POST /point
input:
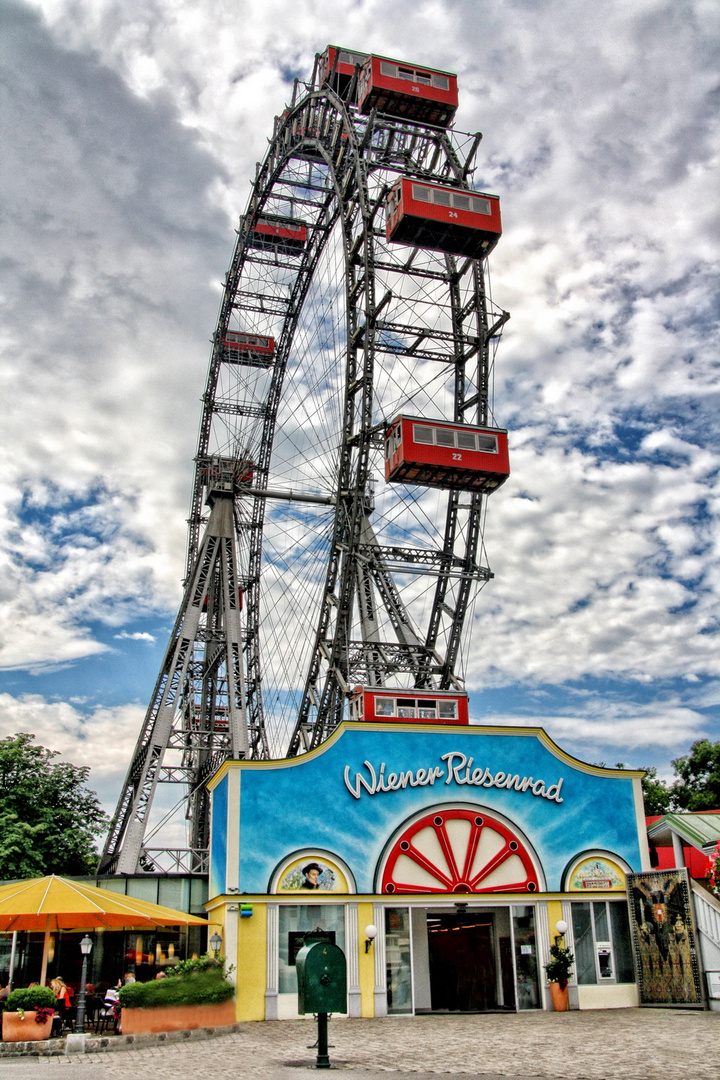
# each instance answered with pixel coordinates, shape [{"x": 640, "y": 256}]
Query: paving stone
[{"x": 618, "y": 1044}]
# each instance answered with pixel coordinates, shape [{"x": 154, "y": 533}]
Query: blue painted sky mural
[
  {"x": 129, "y": 145},
  {"x": 562, "y": 813}
]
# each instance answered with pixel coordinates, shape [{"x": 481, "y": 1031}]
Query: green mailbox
[{"x": 322, "y": 978}]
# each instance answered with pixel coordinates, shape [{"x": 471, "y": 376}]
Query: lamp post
[
  {"x": 215, "y": 943},
  {"x": 370, "y": 935},
  {"x": 562, "y": 927},
  {"x": 85, "y": 948}
]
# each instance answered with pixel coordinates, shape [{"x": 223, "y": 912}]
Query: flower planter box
[
  {"x": 16, "y": 1030},
  {"x": 559, "y": 997},
  {"x": 177, "y": 1018}
]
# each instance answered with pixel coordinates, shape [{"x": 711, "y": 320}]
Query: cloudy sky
[{"x": 130, "y": 133}]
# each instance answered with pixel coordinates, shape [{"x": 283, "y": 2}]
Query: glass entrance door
[
  {"x": 461, "y": 952},
  {"x": 525, "y": 955}
]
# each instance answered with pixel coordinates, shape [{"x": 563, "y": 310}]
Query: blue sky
[{"x": 130, "y": 136}]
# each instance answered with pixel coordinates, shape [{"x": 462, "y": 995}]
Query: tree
[
  {"x": 49, "y": 820},
  {"x": 698, "y": 783},
  {"x": 656, "y": 794}
]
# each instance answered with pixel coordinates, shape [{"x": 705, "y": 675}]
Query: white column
[
  {"x": 231, "y": 939},
  {"x": 543, "y": 934},
  {"x": 573, "y": 996},
  {"x": 232, "y": 871},
  {"x": 271, "y": 963},
  {"x": 352, "y": 939},
  {"x": 678, "y": 852},
  {"x": 380, "y": 994}
]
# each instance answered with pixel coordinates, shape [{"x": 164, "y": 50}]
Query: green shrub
[
  {"x": 558, "y": 970},
  {"x": 34, "y": 997},
  {"x": 198, "y": 988},
  {"x": 196, "y": 964}
]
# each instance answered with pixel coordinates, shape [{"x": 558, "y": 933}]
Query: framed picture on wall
[{"x": 664, "y": 939}]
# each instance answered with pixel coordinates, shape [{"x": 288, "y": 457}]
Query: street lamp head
[
  {"x": 86, "y": 945},
  {"x": 561, "y": 926},
  {"x": 215, "y": 943}
]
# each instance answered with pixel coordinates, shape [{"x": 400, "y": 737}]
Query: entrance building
[{"x": 438, "y": 857}]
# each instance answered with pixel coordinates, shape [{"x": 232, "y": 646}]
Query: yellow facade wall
[
  {"x": 366, "y": 963},
  {"x": 554, "y": 911},
  {"x": 251, "y": 964}
]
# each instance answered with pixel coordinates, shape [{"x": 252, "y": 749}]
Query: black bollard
[{"x": 323, "y": 1060}]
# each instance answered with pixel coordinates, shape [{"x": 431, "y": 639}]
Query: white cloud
[
  {"x": 103, "y": 739},
  {"x": 130, "y": 140}
]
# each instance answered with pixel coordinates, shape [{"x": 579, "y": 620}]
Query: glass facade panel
[
  {"x": 144, "y": 888},
  {"x": 526, "y": 967},
  {"x": 584, "y": 945},
  {"x": 397, "y": 953},
  {"x": 602, "y": 929},
  {"x": 620, "y": 926},
  {"x": 603, "y": 950},
  {"x": 174, "y": 893},
  {"x": 294, "y": 918}
]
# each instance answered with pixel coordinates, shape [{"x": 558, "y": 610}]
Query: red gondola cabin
[
  {"x": 409, "y": 706},
  {"x": 251, "y": 349},
  {"x": 443, "y": 219},
  {"x": 337, "y": 67},
  {"x": 284, "y": 235},
  {"x": 420, "y": 94},
  {"x": 440, "y": 454},
  {"x": 221, "y": 472}
]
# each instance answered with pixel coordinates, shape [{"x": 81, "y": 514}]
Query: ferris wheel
[{"x": 346, "y": 447}]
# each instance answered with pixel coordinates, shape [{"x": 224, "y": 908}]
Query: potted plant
[
  {"x": 195, "y": 993},
  {"x": 28, "y": 1014},
  {"x": 558, "y": 973}
]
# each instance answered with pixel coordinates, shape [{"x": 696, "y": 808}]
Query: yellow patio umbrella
[{"x": 56, "y": 903}]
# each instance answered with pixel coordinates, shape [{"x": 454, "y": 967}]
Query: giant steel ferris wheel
[{"x": 356, "y": 307}]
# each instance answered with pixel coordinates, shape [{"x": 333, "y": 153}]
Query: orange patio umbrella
[{"x": 56, "y": 903}]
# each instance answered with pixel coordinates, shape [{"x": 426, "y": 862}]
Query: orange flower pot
[
  {"x": 559, "y": 997},
  {"x": 177, "y": 1018},
  {"x": 16, "y": 1030}
]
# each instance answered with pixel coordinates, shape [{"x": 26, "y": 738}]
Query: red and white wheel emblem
[{"x": 458, "y": 851}]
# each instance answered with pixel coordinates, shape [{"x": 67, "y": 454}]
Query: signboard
[
  {"x": 596, "y": 872},
  {"x": 664, "y": 944}
]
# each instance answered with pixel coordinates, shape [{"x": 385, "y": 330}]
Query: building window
[
  {"x": 294, "y": 918},
  {"x": 601, "y": 933}
]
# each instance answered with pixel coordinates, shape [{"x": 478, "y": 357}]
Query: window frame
[
  {"x": 476, "y": 435},
  {"x": 428, "y": 196},
  {"x": 605, "y": 946}
]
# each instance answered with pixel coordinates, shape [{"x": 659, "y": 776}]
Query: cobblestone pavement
[{"x": 627, "y": 1044}]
